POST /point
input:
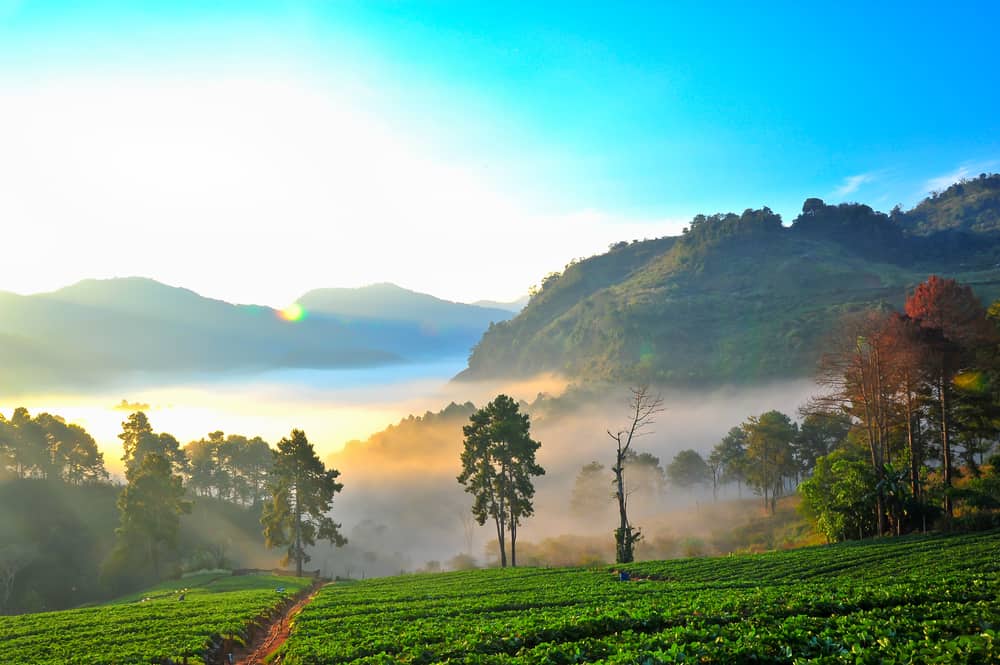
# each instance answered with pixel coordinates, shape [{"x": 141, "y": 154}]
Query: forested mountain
[
  {"x": 970, "y": 205},
  {"x": 739, "y": 298},
  {"x": 99, "y": 329}
]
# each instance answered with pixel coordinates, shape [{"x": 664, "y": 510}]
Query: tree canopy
[
  {"x": 498, "y": 463},
  {"x": 302, "y": 491}
]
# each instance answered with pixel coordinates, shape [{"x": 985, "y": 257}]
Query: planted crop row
[
  {"x": 921, "y": 599},
  {"x": 158, "y": 630}
]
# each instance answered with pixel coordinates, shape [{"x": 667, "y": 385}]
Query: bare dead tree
[{"x": 643, "y": 408}]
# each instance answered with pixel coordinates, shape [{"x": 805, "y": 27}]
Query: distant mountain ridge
[
  {"x": 97, "y": 330},
  {"x": 740, "y": 297},
  {"x": 389, "y": 302}
]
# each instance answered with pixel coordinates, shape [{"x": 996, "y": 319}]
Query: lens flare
[{"x": 293, "y": 312}]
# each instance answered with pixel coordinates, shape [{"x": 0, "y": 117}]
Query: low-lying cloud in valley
[{"x": 403, "y": 506}]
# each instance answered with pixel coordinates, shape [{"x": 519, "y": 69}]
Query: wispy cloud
[
  {"x": 943, "y": 182},
  {"x": 852, "y": 183}
]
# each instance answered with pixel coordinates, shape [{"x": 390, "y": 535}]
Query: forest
[
  {"x": 70, "y": 534},
  {"x": 901, "y": 436}
]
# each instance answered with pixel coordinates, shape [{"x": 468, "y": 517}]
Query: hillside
[
  {"x": 736, "y": 298},
  {"x": 64, "y": 534},
  {"x": 970, "y": 205},
  {"x": 99, "y": 330}
]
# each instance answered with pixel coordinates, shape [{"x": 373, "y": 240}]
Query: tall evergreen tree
[
  {"x": 498, "y": 462},
  {"x": 150, "y": 506},
  {"x": 302, "y": 491},
  {"x": 139, "y": 440}
]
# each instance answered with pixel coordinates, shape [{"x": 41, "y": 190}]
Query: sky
[{"x": 253, "y": 151}]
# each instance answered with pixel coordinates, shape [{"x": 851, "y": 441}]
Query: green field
[
  {"x": 146, "y": 631},
  {"x": 907, "y": 600}
]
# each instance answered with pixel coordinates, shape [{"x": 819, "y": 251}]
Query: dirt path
[{"x": 277, "y": 632}]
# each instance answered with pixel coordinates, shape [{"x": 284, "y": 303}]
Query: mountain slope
[
  {"x": 969, "y": 205},
  {"x": 737, "y": 298}
]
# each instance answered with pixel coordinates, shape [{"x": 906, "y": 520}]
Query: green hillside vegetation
[
  {"x": 68, "y": 531},
  {"x": 160, "y": 627},
  {"x": 969, "y": 205},
  {"x": 736, "y": 298},
  {"x": 912, "y": 599}
]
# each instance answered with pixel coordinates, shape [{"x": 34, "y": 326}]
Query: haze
[{"x": 253, "y": 151}]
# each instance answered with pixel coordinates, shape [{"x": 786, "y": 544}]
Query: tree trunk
[
  {"x": 945, "y": 446},
  {"x": 911, "y": 444},
  {"x": 298, "y": 533},
  {"x": 513, "y": 543},
  {"x": 624, "y": 538}
]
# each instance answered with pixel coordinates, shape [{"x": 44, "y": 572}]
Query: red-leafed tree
[{"x": 955, "y": 322}]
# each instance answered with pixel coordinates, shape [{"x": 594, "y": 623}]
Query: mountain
[
  {"x": 97, "y": 330},
  {"x": 514, "y": 306},
  {"x": 738, "y": 298},
  {"x": 394, "y": 304}
]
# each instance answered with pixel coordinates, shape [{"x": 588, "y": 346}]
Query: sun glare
[{"x": 293, "y": 312}]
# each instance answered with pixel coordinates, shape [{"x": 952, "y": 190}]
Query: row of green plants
[
  {"x": 916, "y": 599},
  {"x": 170, "y": 623}
]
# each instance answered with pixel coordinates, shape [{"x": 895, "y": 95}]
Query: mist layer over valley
[{"x": 403, "y": 509}]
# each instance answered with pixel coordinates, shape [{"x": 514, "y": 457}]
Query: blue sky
[{"x": 594, "y": 121}]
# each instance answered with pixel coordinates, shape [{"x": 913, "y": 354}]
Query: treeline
[
  {"x": 47, "y": 447},
  {"x": 68, "y": 534},
  {"x": 921, "y": 387},
  {"x": 233, "y": 468},
  {"x": 903, "y": 435},
  {"x": 769, "y": 454}
]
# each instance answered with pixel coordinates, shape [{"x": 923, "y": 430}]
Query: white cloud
[
  {"x": 852, "y": 183},
  {"x": 943, "y": 182},
  {"x": 256, "y": 190}
]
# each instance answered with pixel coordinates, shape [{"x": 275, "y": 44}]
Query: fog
[{"x": 402, "y": 507}]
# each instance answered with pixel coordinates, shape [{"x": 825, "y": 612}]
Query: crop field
[
  {"x": 156, "y": 630},
  {"x": 922, "y": 599}
]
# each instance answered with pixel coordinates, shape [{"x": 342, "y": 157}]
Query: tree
[
  {"x": 201, "y": 473},
  {"x": 643, "y": 407},
  {"x": 31, "y": 446},
  {"x": 229, "y": 467},
  {"x": 150, "y": 507},
  {"x": 646, "y": 476},
  {"x": 731, "y": 454},
  {"x": 958, "y": 320},
  {"x": 591, "y": 491},
  {"x": 818, "y": 435},
  {"x": 498, "y": 462},
  {"x": 688, "y": 469},
  {"x": 862, "y": 379},
  {"x": 769, "y": 454},
  {"x": 139, "y": 440},
  {"x": 74, "y": 455},
  {"x": 255, "y": 460},
  {"x": 302, "y": 491},
  {"x": 838, "y": 497}
]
